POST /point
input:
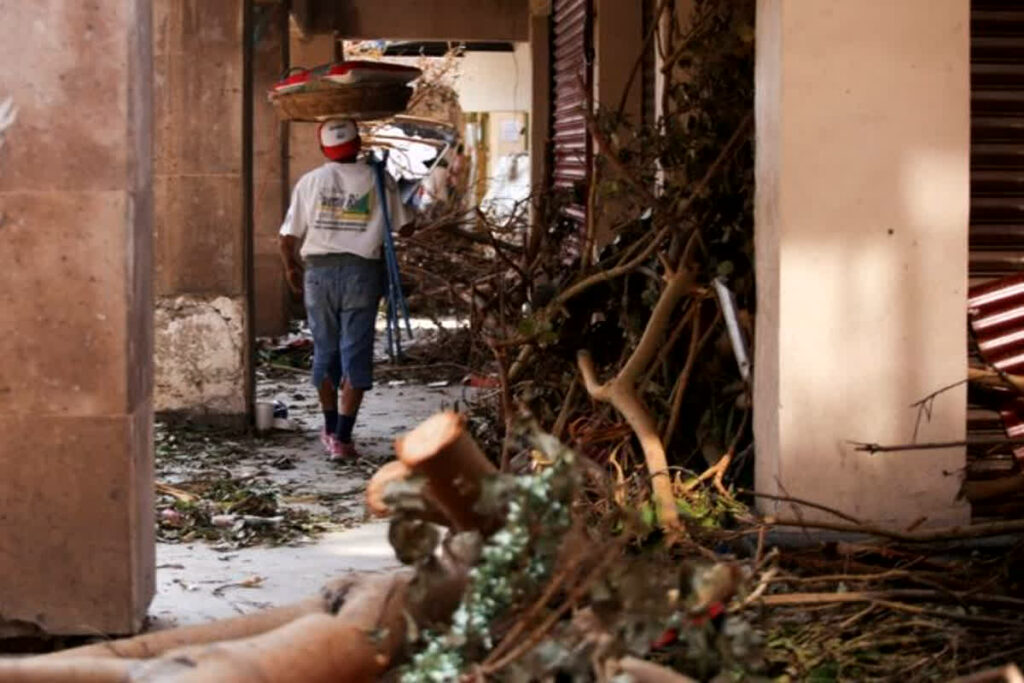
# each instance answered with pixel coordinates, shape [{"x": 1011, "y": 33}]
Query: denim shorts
[{"x": 342, "y": 294}]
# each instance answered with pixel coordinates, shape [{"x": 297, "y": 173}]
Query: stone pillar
[
  {"x": 202, "y": 352},
  {"x": 271, "y": 312},
  {"x": 76, "y": 490},
  {"x": 863, "y": 130},
  {"x": 540, "y": 100},
  {"x": 303, "y": 150},
  {"x": 618, "y": 43}
]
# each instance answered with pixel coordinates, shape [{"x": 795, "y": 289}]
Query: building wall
[
  {"x": 417, "y": 19},
  {"x": 76, "y": 457},
  {"x": 201, "y": 363},
  {"x": 861, "y": 245},
  {"x": 618, "y": 44},
  {"x": 271, "y": 300},
  {"x": 303, "y": 149},
  {"x": 496, "y": 81}
]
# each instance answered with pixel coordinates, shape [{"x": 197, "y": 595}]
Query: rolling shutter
[
  {"x": 997, "y": 204},
  {"x": 571, "y": 88}
]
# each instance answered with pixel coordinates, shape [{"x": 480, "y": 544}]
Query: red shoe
[
  {"x": 344, "y": 451},
  {"x": 329, "y": 442}
]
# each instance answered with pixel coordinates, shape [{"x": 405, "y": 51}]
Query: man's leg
[
  {"x": 325, "y": 328},
  {"x": 357, "y": 364},
  {"x": 351, "y": 399}
]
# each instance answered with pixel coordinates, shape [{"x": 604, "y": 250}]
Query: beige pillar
[
  {"x": 861, "y": 239},
  {"x": 303, "y": 149},
  {"x": 201, "y": 308},
  {"x": 496, "y": 20},
  {"x": 618, "y": 43},
  {"x": 269, "y": 134},
  {"x": 540, "y": 100},
  {"x": 76, "y": 480}
]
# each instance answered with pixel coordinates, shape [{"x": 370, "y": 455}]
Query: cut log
[
  {"x": 443, "y": 451},
  {"x": 377, "y": 491},
  {"x": 357, "y": 643},
  {"x": 389, "y": 473},
  {"x": 642, "y": 671},
  {"x": 157, "y": 643},
  {"x": 154, "y": 644},
  {"x": 73, "y": 670}
]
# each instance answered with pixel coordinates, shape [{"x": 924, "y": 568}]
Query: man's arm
[
  {"x": 289, "y": 245},
  {"x": 402, "y": 220},
  {"x": 293, "y": 229}
]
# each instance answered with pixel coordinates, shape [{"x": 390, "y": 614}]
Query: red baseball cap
[{"x": 339, "y": 139}]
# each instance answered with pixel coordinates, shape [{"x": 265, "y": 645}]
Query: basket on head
[{"x": 362, "y": 101}]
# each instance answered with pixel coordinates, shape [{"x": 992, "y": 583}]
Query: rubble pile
[{"x": 564, "y": 573}]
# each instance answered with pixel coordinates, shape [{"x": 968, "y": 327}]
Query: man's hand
[{"x": 294, "y": 276}]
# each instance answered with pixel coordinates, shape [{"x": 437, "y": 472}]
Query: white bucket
[{"x": 264, "y": 416}]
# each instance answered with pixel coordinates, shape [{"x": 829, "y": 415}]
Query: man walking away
[{"x": 336, "y": 224}]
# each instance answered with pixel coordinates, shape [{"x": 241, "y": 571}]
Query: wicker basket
[{"x": 361, "y": 102}]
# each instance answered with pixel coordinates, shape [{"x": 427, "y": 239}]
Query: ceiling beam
[{"x": 481, "y": 20}]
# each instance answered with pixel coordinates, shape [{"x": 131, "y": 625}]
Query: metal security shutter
[
  {"x": 571, "y": 87},
  {"x": 997, "y": 138},
  {"x": 997, "y": 200}
]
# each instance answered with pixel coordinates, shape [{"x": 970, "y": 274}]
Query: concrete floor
[{"x": 197, "y": 582}]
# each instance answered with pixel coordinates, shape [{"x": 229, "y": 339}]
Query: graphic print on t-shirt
[{"x": 343, "y": 211}]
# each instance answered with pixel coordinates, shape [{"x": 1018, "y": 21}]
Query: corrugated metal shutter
[
  {"x": 997, "y": 191},
  {"x": 571, "y": 87},
  {"x": 997, "y": 138}
]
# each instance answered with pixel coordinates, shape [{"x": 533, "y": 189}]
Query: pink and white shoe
[
  {"x": 344, "y": 451},
  {"x": 329, "y": 442}
]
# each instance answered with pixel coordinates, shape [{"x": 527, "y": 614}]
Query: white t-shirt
[{"x": 336, "y": 209}]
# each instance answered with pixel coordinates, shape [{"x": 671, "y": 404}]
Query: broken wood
[
  {"x": 155, "y": 644},
  {"x": 442, "y": 450},
  {"x": 357, "y": 644},
  {"x": 993, "y": 488},
  {"x": 85, "y": 670},
  {"x": 956, "y": 533},
  {"x": 642, "y": 671},
  {"x": 396, "y": 472},
  {"x": 388, "y": 473},
  {"x": 990, "y": 377},
  {"x": 621, "y": 392},
  {"x": 352, "y": 632}
]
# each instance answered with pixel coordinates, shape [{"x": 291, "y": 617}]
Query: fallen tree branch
[
  {"x": 886, "y": 599},
  {"x": 800, "y": 501},
  {"x": 622, "y": 394},
  {"x": 866, "y": 447},
  {"x": 983, "y": 530},
  {"x": 642, "y": 671}
]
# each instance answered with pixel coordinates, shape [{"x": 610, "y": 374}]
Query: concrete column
[
  {"x": 540, "y": 98},
  {"x": 271, "y": 297},
  {"x": 863, "y": 129},
  {"x": 201, "y": 310},
  {"x": 618, "y": 43},
  {"x": 76, "y": 508},
  {"x": 303, "y": 150}
]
